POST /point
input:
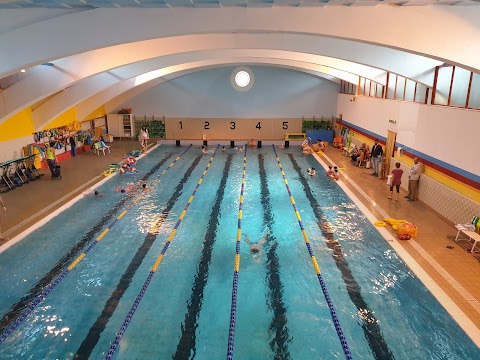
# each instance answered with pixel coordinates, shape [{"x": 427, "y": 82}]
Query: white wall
[
  {"x": 447, "y": 134},
  {"x": 276, "y": 93}
]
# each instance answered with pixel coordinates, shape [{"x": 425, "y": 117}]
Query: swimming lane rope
[
  {"x": 39, "y": 299},
  {"x": 236, "y": 269},
  {"x": 333, "y": 314},
  {"x": 155, "y": 266}
]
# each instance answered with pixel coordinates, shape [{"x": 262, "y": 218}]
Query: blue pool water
[{"x": 383, "y": 309}]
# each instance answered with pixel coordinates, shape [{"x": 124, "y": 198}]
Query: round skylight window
[{"x": 242, "y": 78}]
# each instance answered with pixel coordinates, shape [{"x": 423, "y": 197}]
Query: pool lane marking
[
  {"x": 52, "y": 214},
  {"x": 91, "y": 339},
  {"x": 278, "y": 324},
  {"x": 370, "y": 324},
  {"x": 40, "y": 298},
  {"x": 453, "y": 309},
  {"x": 333, "y": 314},
  {"x": 38, "y": 288},
  {"x": 157, "y": 263},
  {"x": 187, "y": 342},
  {"x": 236, "y": 268}
]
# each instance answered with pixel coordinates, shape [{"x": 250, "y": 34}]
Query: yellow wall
[
  {"x": 98, "y": 113},
  {"x": 446, "y": 180},
  {"x": 442, "y": 178},
  {"x": 19, "y": 125},
  {"x": 66, "y": 118}
]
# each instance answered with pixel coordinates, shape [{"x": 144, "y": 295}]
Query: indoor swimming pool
[{"x": 149, "y": 274}]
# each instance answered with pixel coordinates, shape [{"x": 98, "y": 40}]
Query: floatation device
[
  {"x": 135, "y": 153},
  {"x": 338, "y": 142},
  {"x": 112, "y": 168},
  {"x": 476, "y": 224},
  {"x": 380, "y": 223},
  {"x": 392, "y": 221},
  {"x": 396, "y": 224},
  {"x": 407, "y": 228},
  {"x": 130, "y": 173}
]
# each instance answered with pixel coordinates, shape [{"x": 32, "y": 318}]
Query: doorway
[{"x": 390, "y": 148}]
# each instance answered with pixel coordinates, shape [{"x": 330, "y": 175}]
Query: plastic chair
[
  {"x": 98, "y": 148},
  {"x": 104, "y": 147}
]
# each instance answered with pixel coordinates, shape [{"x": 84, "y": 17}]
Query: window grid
[{"x": 369, "y": 88}]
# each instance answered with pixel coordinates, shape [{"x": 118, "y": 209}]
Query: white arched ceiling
[
  {"x": 47, "y": 80},
  {"x": 133, "y": 86},
  {"x": 81, "y": 90},
  {"x": 419, "y": 30}
]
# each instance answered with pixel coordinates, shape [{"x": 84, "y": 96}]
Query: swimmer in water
[{"x": 256, "y": 248}]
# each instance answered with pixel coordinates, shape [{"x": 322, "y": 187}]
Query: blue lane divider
[
  {"x": 39, "y": 299},
  {"x": 233, "y": 309},
  {"x": 333, "y": 313},
  {"x": 154, "y": 269}
]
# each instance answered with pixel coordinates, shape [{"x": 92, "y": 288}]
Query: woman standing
[
  {"x": 397, "y": 180},
  {"x": 144, "y": 138}
]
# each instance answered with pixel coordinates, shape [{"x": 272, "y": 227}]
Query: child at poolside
[
  {"x": 330, "y": 171},
  {"x": 335, "y": 175},
  {"x": 383, "y": 170},
  {"x": 396, "y": 181}
]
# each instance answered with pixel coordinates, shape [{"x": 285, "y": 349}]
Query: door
[{"x": 390, "y": 148}]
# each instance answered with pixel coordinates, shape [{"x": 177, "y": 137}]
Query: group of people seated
[
  {"x": 319, "y": 146},
  {"x": 360, "y": 156}
]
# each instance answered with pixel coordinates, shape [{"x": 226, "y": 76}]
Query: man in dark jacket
[
  {"x": 377, "y": 152},
  {"x": 73, "y": 145}
]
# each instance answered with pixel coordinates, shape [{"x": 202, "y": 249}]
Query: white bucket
[{"x": 389, "y": 179}]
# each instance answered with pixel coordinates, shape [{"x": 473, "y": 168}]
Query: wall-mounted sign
[{"x": 392, "y": 121}]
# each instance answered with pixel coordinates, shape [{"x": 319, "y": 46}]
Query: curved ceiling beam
[
  {"x": 377, "y": 25},
  {"x": 46, "y": 80},
  {"x": 52, "y": 79},
  {"x": 102, "y": 82}
]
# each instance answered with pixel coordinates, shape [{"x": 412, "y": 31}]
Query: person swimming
[{"x": 255, "y": 248}]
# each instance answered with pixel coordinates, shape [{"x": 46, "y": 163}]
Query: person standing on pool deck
[
  {"x": 3, "y": 210},
  {"x": 396, "y": 181},
  {"x": 413, "y": 180},
  {"x": 73, "y": 145},
  {"x": 51, "y": 158},
  {"x": 144, "y": 138}
]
